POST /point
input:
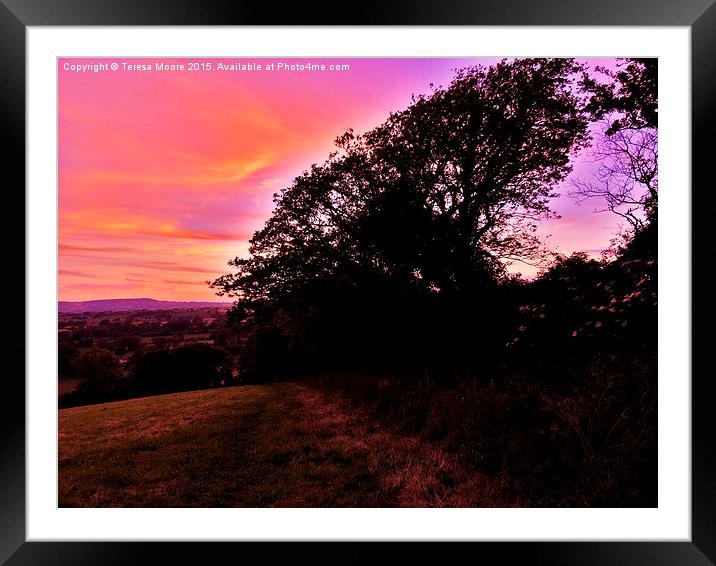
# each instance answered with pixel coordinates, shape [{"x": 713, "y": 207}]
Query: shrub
[
  {"x": 100, "y": 371},
  {"x": 588, "y": 441},
  {"x": 194, "y": 366}
]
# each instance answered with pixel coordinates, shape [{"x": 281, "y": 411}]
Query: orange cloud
[
  {"x": 167, "y": 174},
  {"x": 69, "y": 272}
]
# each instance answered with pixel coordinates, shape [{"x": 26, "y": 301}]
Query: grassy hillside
[{"x": 281, "y": 445}]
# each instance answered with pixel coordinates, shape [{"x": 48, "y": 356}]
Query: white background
[{"x": 670, "y": 521}]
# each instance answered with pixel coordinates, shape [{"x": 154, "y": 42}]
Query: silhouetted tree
[
  {"x": 625, "y": 142},
  {"x": 200, "y": 365},
  {"x": 433, "y": 199},
  {"x": 630, "y": 98},
  {"x": 100, "y": 371},
  {"x": 193, "y": 366},
  {"x": 152, "y": 372},
  {"x": 128, "y": 344},
  {"x": 65, "y": 356}
]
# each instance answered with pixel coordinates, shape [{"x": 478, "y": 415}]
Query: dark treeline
[
  {"x": 392, "y": 253},
  {"x": 152, "y": 372},
  {"x": 384, "y": 271},
  {"x": 112, "y": 356}
]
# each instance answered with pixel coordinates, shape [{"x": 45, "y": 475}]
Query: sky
[{"x": 164, "y": 175}]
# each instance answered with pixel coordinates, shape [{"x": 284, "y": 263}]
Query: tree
[
  {"x": 153, "y": 372},
  {"x": 630, "y": 97},
  {"x": 193, "y": 366},
  {"x": 625, "y": 142},
  {"x": 392, "y": 251},
  {"x": 436, "y": 198},
  {"x": 65, "y": 355},
  {"x": 200, "y": 365},
  {"x": 126, "y": 344},
  {"x": 100, "y": 371}
]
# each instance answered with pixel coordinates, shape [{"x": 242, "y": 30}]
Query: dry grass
[
  {"x": 589, "y": 441},
  {"x": 278, "y": 445}
]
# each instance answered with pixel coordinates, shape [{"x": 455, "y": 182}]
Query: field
[
  {"x": 125, "y": 336},
  {"x": 146, "y": 328},
  {"x": 282, "y": 445}
]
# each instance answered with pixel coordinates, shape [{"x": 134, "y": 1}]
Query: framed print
[{"x": 397, "y": 274}]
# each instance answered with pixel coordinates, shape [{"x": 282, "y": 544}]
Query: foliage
[
  {"x": 194, "y": 366},
  {"x": 581, "y": 306},
  {"x": 625, "y": 142},
  {"x": 631, "y": 97},
  {"x": 127, "y": 344},
  {"x": 383, "y": 269},
  {"x": 591, "y": 442},
  {"x": 415, "y": 216},
  {"x": 100, "y": 372},
  {"x": 139, "y": 353}
]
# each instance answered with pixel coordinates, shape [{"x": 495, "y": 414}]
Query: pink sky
[{"x": 165, "y": 175}]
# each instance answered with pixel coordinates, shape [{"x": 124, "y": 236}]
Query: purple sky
[{"x": 165, "y": 175}]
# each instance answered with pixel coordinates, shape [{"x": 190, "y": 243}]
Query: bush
[
  {"x": 102, "y": 379},
  {"x": 128, "y": 344},
  {"x": 100, "y": 371},
  {"x": 194, "y": 366},
  {"x": 589, "y": 441}
]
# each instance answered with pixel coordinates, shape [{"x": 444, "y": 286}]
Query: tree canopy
[
  {"x": 631, "y": 96},
  {"x": 626, "y": 146},
  {"x": 435, "y": 198}
]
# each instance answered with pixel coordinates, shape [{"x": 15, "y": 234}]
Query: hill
[
  {"x": 274, "y": 445},
  {"x": 119, "y": 305}
]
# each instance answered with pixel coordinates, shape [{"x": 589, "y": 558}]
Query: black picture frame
[{"x": 17, "y": 15}]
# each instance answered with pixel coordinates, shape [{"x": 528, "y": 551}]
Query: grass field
[{"x": 277, "y": 445}]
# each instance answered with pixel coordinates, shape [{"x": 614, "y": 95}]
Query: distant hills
[{"x": 102, "y": 305}]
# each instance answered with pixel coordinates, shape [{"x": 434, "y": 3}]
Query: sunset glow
[{"x": 164, "y": 176}]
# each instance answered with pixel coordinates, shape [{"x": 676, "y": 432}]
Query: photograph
[{"x": 409, "y": 282}]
